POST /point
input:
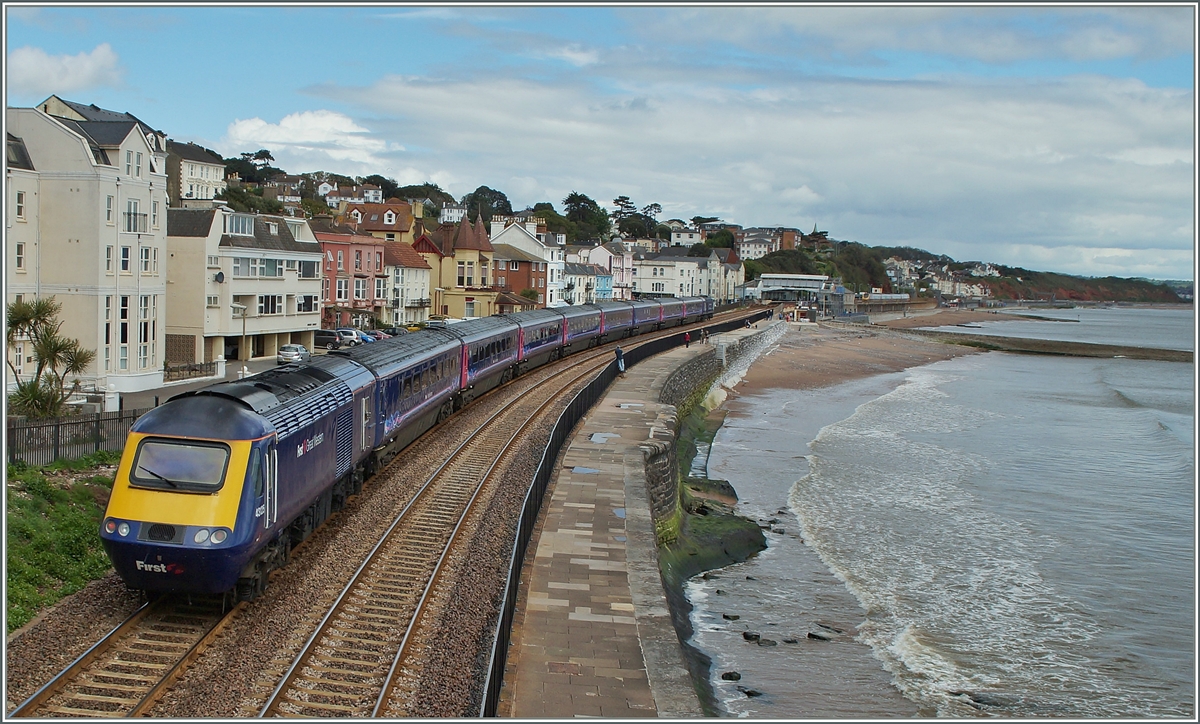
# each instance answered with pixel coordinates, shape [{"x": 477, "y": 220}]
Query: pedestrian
[
  {"x": 687, "y": 340},
  {"x": 620, "y": 360}
]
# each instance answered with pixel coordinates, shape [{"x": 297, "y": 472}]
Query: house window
[
  {"x": 341, "y": 265},
  {"x": 129, "y": 163},
  {"x": 108, "y": 210},
  {"x": 462, "y": 273},
  {"x": 154, "y": 214},
  {"x": 343, "y": 289},
  {"x": 126, "y": 253},
  {"x": 501, "y": 281},
  {"x": 212, "y": 300},
  {"x": 379, "y": 260},
  {"x": 214, "y": 261},
  {"x": 307, "y": 303},
  {"x": 144, "y": 253},
  {"x": 501, "y": 264},
  {"x": 325, "y": 289},
  {"x": 380, "y": 288},
  {"x": 20, "y": 204},
  {"x": 242, "y": 268},
  {"x": 469, "y": 309},
  {"x": 270, "y": 304},
  {"x": 108, "y": 259},
  {"x": 239, "y": 225},
  {"x": 134, "y": 222},
  {"x": 357, "y": 260},
  {"x": 290, "y": 265},
  {"x": 20, "y": 255},
  {"x": 515, "y": 266},
  {"x": 137, "y": 167},
  {"x": 360, "y": 288},
  {"x": 273, "y": 228},
  {"x": 389, "y": 237},
  {"x": 389, "y": 218},
  {"x": 270, "y": 268},
  {"x": 308, "y": 270}
]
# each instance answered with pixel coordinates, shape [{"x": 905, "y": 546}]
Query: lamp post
[{"x": 241, "y": 309}]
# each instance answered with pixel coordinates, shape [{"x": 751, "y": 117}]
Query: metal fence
[
  {"x": 577, "y": 408},
  {"x": 41, "y": 442},
  {"x": 189, "y": 370}
]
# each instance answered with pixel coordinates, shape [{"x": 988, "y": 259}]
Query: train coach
[{"x": 217, "y": 485}]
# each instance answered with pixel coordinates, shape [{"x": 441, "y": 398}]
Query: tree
[
  {"x": 55, "y": 358},
  {"x": 262, "y": 158},
  {"x": 722, "y": 239},
  {"x": 427, "y": 190},
  {"x": 530, "y": 294},
  {"x": 591, "y": 222},
  {"x": 486, "y": 202},
  {"x": 249, "y": 201},
  {"x": 698, "y": 220},
  {"x": 631, "y": 222},
  {"x": 386, "y": 185},
  {"x": 555, "y": 222}
]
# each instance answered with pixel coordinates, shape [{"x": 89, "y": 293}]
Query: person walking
[
  {"x": 687, "y": 340},
  {"x": 620, "y": 360}
]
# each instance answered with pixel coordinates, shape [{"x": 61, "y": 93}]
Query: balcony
[
  {"x": 135, "y": 223},
  {"x": 417, "y": 303}
]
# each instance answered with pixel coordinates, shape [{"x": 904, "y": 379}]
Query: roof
[
  {"x": 96, "y": 119},
  {"x": 508, "y": 252},
  {"x": 264, "y": 239},
  {"x": 515, "y": 300},
  {"x": 18, "y": 155},
  {"x": 192, "y": 152},
  {"x": 373, "y": 216},
  {"x": 727, "y": 256},
  {"x": 463, "y": 235},
  {"x": 189, "y": 222},
  {"x": 579, "y": 269},
  {"x": 398, "y": 253}
]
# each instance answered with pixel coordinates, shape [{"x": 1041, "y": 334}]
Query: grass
[{"x": 53, "y": 543}]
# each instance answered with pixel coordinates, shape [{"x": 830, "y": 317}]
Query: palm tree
[{"x": 55, "y": 357}]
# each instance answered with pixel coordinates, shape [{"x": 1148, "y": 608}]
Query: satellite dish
[{"x": 220, "y": 277}]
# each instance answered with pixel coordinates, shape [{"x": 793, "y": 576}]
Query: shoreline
[{"x": 846, "y": 673}]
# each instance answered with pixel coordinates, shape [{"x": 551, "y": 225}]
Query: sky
[{"x": 1051, "y": 138}]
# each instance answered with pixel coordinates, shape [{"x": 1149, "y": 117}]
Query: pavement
[{"x": 592, "y": 635}]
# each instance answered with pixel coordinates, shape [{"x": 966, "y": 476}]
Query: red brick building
[{"x": 354, "y": 289}]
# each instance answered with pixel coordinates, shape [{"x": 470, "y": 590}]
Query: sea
[{"x": 993, "y": 535}]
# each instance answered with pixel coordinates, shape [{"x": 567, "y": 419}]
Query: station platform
[{"x": 592, "y": 635}]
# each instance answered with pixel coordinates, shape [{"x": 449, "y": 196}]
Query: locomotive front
[{"x": 190, "y": 496}]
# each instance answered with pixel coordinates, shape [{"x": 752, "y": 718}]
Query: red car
[{"x": 378, "y": 334}]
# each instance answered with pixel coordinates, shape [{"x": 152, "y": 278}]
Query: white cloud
[
  {"x": 32, "y": 71},
  {"x": 321, "y": 139},
  {"x": 575, "y": 55}
]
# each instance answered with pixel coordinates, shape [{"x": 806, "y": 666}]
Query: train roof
[
  {"x": 388, "y": 355},
  {"x": 203, "y": 416},
  {"x": 481, "y": 328},
  {"x": 534, "y": 316}
]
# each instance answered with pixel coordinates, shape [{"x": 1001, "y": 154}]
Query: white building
[
  {"x": 409, "y": 300},
  {"x": 524, "y": 235},
  {"x": 232, "y": 274},
  {"x": 193, "y": 173},
  {"x": 92, "y": 234},
  {"x": 451, "y": 213},
  {"x": 685, "y": 237}
]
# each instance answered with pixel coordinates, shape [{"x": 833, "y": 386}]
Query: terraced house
[
  {"x": 86, "y": 214},
  {"x": 355, "y": 282},
  {"x": 460, "y": 258},
  {"x": 241, "y": 285}
]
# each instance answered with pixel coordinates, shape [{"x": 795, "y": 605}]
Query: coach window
[{"x": 256, "y": 476}]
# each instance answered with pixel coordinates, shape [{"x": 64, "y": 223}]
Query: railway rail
[
  {"x": 360, "y": 662},
  {"x": 124, "y": 673}
]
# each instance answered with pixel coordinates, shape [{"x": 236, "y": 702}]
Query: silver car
[{"x": 292, "y": 353}]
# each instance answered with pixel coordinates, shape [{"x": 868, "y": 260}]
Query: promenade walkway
[{"x": 593, "y": 635}]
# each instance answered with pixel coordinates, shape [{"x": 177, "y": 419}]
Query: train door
[
  {"x": 272, "y": 484},
  {"x": 365, "y": 408},
  {"x": 264, "y": 473}
]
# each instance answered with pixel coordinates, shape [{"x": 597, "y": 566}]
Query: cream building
[
  {"x": 91, "y": 233},
  {"x": 234, "y": 274}
]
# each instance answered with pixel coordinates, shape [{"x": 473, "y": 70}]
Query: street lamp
[{"x": 241, "y": 308}]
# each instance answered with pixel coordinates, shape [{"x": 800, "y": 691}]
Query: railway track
[
  {"x": 124, "y": 673},
  {"x": 360, "y": 661}
]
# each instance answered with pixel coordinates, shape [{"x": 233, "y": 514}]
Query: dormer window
[
  {"x": 273, "y": 228},
  {"x": 389, "y": 218},
  {"x": 239, "y": 225},
  {"x": 357, "y": 216}
]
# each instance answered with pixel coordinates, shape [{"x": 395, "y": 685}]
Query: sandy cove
[{"x": 809, "y": 356}]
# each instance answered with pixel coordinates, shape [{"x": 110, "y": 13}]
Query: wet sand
[
  {"x": 810, "y": 356},
  {"x": 942, "y": 318}
]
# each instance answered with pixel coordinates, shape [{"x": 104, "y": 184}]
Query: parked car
[
  {"x": 395, "y": 331},
  {"x": 379, "y": 334},
  {"x": 349, "y": 337},
  {"x": 327, "y": 338},
  {"x": 364, "y": 336},
  {"x": 292, "y": 353}
]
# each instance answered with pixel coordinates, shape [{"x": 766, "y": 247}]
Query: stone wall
[{"x": 686, "y": 387}]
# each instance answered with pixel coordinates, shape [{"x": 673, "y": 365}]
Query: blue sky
[{"x": 1050, "y": 138}]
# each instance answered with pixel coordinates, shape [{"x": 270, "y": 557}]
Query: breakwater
[{"x": 1054, "y": 347}]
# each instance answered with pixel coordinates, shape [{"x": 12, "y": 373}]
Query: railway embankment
[{"x": 601, "y": 615}]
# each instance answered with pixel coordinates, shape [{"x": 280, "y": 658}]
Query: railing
[
  {"x": 41, "y": 442},
  {"x": 577, "y": 408},
  {"x": 418, "y": 303},
  {"x": 189, "y": 370},
  {"x": 135, "y": 223}
]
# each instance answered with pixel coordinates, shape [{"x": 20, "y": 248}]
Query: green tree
[
  {"x": 486, "y": 202},
  {"x": 592, "y": 223},
  {"x": 530, "y": 294},
  {"x": 555, "y": 223},
  {"x": 387, "y": 186},
  {"x": 55, "y": 358},
  {"x": 698, "y": 220},
  {"x": 427, "y": 190},
  {"x": 249, "y": 201},
  {"x": 722, "y": 239}
]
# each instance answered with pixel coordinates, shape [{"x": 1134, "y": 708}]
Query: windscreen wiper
[{"x": 172, "y": 483}]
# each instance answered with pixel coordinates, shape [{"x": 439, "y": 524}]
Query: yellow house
[{"x": 460, "y": 258}]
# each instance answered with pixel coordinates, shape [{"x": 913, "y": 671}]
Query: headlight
[
  {"x": 123, "y": 530},
  {"x": 201, "y": 535},
  {"x": 218, "y": 536},
  {"x": 110, "y": 526}
]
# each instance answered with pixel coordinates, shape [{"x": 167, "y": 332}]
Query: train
[{"x": 217, "y": 485}]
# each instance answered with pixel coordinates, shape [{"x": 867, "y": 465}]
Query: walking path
[{"x": 593, "y": 633}]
